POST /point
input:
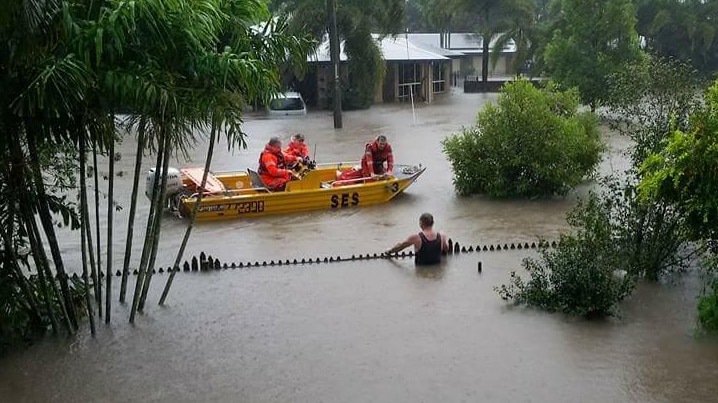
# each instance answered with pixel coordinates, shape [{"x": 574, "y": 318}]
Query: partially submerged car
[{"x": 287, "y": 104}]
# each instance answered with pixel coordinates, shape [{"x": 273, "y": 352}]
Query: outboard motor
[{"x": 174, "y": 182}]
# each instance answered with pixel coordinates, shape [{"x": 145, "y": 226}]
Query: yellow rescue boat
[{"x": 243, "y": 194}]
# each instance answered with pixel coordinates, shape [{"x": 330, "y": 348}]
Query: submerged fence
[{"x": 205, "y": 262}]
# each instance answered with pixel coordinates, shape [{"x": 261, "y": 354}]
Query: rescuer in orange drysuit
[
  {"x": 375, "y": 154},
  {"x": 273, "y": 165},
  {"x": 297, "y": 148}
]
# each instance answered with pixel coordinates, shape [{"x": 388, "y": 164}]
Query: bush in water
[
  {"x": 534, "y": 143},
  {"x": 583, "y": 276},
  {"x": 708, "y": 299},
  {"x": 20, "y": 323}
]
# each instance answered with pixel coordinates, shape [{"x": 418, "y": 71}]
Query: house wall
[
  {"x": 388, "y": 91},
  {"x": 473, "y": 63},
  {"x": 455, "y": 65}
]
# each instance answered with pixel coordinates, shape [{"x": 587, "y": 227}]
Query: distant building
[
  {"x": 421, "y": 66},
  {"x": 469, "y": 46}
]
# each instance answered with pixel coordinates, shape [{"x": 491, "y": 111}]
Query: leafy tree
[
  {"x": 533, "y": 143},
  {"x": 645, "y": 101},
  {"x": 644, "y": 238},
  {"x": 520, "y": 27},
  {"x": 648, "y": 99},
  {"x": 708, "y": 299},
  {"x": 684, "y": 171},
  {"x": 28, "y": 34},
  {"x": 67, "y": 66},
  {"x": 592, "y": 40},
  {"x": 581, "y": 276},
  {"x": 443, "y": 16},
  {"x": 685, "y": 30},
  {"x": 487, "y": 18},
  {"x": 649, "y": 237}
]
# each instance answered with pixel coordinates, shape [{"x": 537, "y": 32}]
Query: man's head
[
  {"x": 381, "y": 141},
  {"x": 275, "y": 142},
  {"x": 426, "y": 220},
  {"x": 298, "y": 138}
]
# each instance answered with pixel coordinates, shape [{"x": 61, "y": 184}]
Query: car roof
[{"x": 289, "y": 94}]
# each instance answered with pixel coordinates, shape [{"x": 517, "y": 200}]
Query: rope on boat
[{"x": 206, "y": 262}]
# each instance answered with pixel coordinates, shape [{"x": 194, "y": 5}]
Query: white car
[{"x": 287, "y": 104}]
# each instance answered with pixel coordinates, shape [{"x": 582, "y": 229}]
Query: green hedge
[{"x": 533, "y": 143}]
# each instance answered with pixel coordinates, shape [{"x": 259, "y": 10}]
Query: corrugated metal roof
[
  {"x": 462, "y": 42},
  {"x": 392, "y": 48},
  {"x": 398, "y": 48},
  {"x": 419, "y": 47},
  {"x": 432, "y": 42},
  {"x": 322, "y": 53}
]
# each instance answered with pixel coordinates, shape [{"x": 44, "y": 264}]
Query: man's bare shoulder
[{"x": 413, "y": 238}]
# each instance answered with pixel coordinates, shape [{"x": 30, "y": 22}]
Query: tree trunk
[
  {"x": 98, "y": 285},
  {"x": 334, "y": 50},
  {"x": 133, "y": 209},
  {"x": 110, "y": 211},
  {"x": 192, "y": 218},
  {"x": 8, "y": 234},
  {"x": 49, "y": 228},
  {"x": 11, "y": 261},
  {"x": 88, "y": 230},
  {"x": 485, "y": 40},
  {"x": 40, "y": 259},
  {"x": 158, "y": 220},
  {"x": 47, "y": 282},
  {"x": 84, "y": 216},
  {"x": 154, "y": 206}
]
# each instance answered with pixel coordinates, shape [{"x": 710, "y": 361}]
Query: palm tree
[
  {"x": 520, "y": 28},
  {"x": 488, "y": 17},
  {"x": 38, "y": 88},
  {"x": 681, "y": 29},
  {"x": 441, "y": 15},
  {"x": 356, "y": 21},
  {"x": 133, "y": 208},
  {"x": 181, "y": 64},
  {"x": 218, "y": 110},
  {"x": 83, "y": 234}
]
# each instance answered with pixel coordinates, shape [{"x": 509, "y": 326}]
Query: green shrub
[
  {"x": 534, "y": 143},
  {"x": 649, "y": 236},
  {"x": 708, "y": 299},
  {"x": 582, "y": 276},
  {"x": 708, "y": 311},
  {"x": 20, "y": 323}
]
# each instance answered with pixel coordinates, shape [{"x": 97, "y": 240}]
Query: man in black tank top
[{"x": 429, "y": 245}]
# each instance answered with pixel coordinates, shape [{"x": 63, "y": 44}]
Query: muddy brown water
[{"x": 375, "y": 330}]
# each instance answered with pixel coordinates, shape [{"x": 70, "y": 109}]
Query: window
[
  {"x": 409, "y": 80},
  {"x": 438, "y": 82}
]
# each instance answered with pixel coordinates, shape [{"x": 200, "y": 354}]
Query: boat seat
[
  {"x": 255, "y": 180},
  {"x": 212, "y": 186}
]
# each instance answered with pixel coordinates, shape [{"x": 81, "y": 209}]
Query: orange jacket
[
  {"x": 297, "y": 149},
  {"x": 272, "y": 167},
  {"x": 373, "y": 160}
]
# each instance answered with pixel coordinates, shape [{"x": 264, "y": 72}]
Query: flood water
[{"x": 372, "y": 330}]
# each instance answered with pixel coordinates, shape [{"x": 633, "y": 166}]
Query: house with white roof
[
  {"x": 411, "y": 71},
  {"x": 418, "y": 65},
  {"x": 469, "y": 46}
]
